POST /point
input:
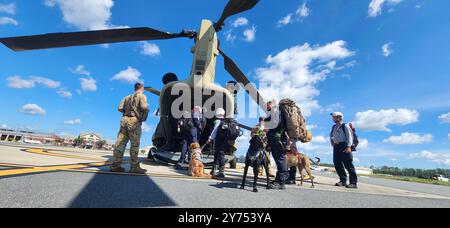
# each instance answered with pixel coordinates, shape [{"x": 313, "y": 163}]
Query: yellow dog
[{"x": 196, "y": 166}]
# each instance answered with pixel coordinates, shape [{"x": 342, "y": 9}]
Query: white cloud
[
  {"x": 250, "y": 34},
  {"x": 387, "y": 49},
  {"x": 320, "y": 139},
  {"x": 81, "y": 70},
  {"x": 8, "y": 21},
  {"x": 410, "y": 139},
  {"x": 229, "y": 36},
  {"x": 73, "y": 122},
  {"x": 9, "y": 8},
  {"x": 376, "y": 6},
  {"x": 64, "y": 93},
  {"x": 88, "y": 84},
  {"x": 445, "y": 118},
  {"x": 380, "y": 120},
  {"x": 438, "y": 158},
  {"x": 146, "y": 128},
  {"x": 150, "y": 49},
  {"x": 449, "y": 136},
  {"x": 286, "y": 20},
  {"x": 291, "y": 73},
  {"x": 242, "y": 21},
  {"x": 85, "y": 14},
  {"x": 130, "y": 76},
  {"x": 16, "y": 82},
  {"x": 302, "y": 12},
  {"x": 4, "y": 126},
  {"x": 363, "y": 144},
  {"x": 32, "y": 109}
]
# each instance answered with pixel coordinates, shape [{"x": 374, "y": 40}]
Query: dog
[
  {"x": 196, "y": 166},
  {"x": 302, "y": 162},
  {"x": 256, "y": 157}
]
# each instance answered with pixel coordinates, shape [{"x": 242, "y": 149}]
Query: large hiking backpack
[
  {"x": 294, "y": 121},
  {"x": 229, "y": 130}
]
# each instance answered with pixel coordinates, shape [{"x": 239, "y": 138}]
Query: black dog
[{"x": 256, "y": 157}]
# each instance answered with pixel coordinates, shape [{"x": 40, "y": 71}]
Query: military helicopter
[{"x": 202, "y": 75}]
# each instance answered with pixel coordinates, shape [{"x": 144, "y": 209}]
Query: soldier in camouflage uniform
[{"x": 135, "y": 111}]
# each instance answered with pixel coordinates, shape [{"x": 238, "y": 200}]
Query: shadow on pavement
[{"x": 111, "y": 191}]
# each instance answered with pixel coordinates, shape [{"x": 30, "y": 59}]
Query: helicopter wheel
[{"x": 150, "y": 153}]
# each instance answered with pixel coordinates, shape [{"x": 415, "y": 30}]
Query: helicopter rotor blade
[
  {"x": 240, "y": 77},
  {"x": 245, "y": 127},
  {"x": 153, "y": 91},
  {"x": 59, "y": 40},
  {"x": 232, "y": 8}
]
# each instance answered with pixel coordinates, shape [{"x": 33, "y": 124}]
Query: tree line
[{"x": 410, "y": 172}]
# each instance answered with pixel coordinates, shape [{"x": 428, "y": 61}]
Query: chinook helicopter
[{"x": 202, "y": 76}]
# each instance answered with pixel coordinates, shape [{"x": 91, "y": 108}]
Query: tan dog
[
  {"x": 196, "y": 166},
  {"x": 296, "y": 159}
]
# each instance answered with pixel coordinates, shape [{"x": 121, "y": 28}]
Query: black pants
[
  {"x": 219, "y": 155},
  {"x": 279, "y": 155},
  {"x": 344, "y": 161},
  {"x": 188, "y": 139},
  {"x": 292, "y": 173}
]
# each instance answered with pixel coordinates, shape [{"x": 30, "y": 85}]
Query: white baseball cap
[
  {"x": 336, "y": 114},
  {"x": 220, "y": 113}
]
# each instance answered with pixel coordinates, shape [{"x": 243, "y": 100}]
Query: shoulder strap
[{"x": 343, "y": 129}]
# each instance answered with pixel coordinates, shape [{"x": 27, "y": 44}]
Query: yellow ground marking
[
  {"x": 47, "y": 153},
  {"x": 31, "y": 170},
  {"x": 15, "y": 165}
]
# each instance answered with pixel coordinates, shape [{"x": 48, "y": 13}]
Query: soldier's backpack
[
  {"x": 129, "y": 106},
  {"x": 186, "y": 125},
  {"x": 295, "y": 123},
  {"x": 355, "y": 137},
  {"x": 229, "y": 130},
  {"x": 131, "y": 109}
]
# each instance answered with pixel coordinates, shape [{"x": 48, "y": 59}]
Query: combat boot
[
  {"x": 117, "y": 169},
  {"x": 138, "y": 170},
  {"x": 213, "y": 171},
  {"x": 221, "y": 173}
]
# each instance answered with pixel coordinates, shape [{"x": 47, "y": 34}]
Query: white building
[{"x": 9, "y": 135}]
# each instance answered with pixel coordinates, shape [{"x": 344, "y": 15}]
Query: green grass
[{"x": 412, "y": 179}]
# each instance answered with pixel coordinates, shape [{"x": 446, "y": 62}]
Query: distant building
[
  {"x": 66, "y": 140},
  {"x": 29, "y": 137},
  {"x": 90, "y": 139},
  {"x": 364, "y": 171}
]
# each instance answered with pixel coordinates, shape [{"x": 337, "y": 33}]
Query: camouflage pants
[{"x": 130, "y": 130}]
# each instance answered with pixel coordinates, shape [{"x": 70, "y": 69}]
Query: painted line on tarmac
[
  {"x": 15, "y": 165},
  {"x": 32, "y": 170},
  {"x": 52, "y": 154}
]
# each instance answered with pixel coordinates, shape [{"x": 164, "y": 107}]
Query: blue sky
[{"x": 384, "y": 63}]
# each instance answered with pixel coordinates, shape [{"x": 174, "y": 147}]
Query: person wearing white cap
[
  {"x": 341, "y": 138},
  {"x": 219, "y": 145}
]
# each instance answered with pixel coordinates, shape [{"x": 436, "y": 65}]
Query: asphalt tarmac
[{"x": 71, "y": 178}]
